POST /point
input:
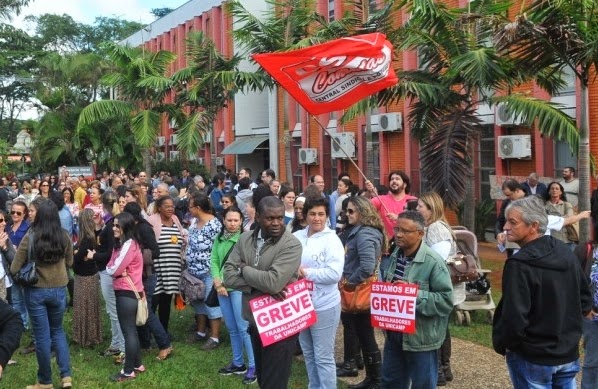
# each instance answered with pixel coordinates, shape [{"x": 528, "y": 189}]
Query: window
[
  {"x": 563, "y": 157},
  {"x": 330, "y": 10},
  {"x": 487, "y": 152}
]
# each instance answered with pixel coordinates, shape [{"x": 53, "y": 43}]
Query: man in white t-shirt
[{"x": 571, "y": 185}]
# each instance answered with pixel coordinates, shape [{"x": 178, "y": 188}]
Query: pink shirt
[
  {"x": 128, "y": 259},
  {"x": 392, "y": 206}
]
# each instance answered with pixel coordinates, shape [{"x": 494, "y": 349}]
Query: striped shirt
[
  {"x": 402, "y": 263},
  {"x": 168, "y": 266}
]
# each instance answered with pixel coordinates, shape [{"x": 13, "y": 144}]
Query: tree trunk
[
  {"x": 469, "y": 201},
  {"x": 584, "y": 163},
  {"x": 147, "y": 162},
  {"x": 286, "y": 138}
]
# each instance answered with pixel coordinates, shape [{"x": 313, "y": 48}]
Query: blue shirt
[{"x": 17, "y": 236}]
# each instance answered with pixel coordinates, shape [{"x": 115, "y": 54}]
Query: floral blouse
[{"x": 199, "y": 248}]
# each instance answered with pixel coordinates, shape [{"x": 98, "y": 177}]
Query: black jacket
[
  {"x": 11, "y": 329},
  {"x": 545, "y": 295}
]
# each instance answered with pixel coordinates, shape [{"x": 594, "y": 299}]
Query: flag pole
[{"x": 375, "y": 192}]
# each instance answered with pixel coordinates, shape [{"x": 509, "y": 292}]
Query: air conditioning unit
[
  {"x": 308, "y": 156},
  {"x": 160, "y": 156},
  {"x": 506, "y": 118},
  {"x": 200, "y": 161},
  {"x": 174, "y": 155},
  {"x": 392, "y": 121},
  {"x": 219, "y": 161},
  {"x": 515, "y": 146},
  {"x": 173, "y": 139},
  {"x": 172, "y": 124},
  {"x": 160, "y": 141},
  {"x": 344, "y": 140}
]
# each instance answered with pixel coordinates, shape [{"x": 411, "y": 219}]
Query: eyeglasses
[
  {"x": 400, "y": 231},
  {"x": 18, "y": 213},
  {"x": 351, "y": 211},
  {"x": 116, "y": 225},
  {"x": 2, "y": 220}
]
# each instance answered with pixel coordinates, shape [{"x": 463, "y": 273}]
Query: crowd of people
[{"x": 124, "y": 235}]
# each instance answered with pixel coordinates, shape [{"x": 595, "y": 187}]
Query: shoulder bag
[
  {"x": 212, "y": 297},
  {"x": 191, "y": 287},
  {"x": 27, "y": 275},
  {"x": 142, "y": 310},
  {"x": 462, "y": 268},
  {"x": 358, "y": 300}
]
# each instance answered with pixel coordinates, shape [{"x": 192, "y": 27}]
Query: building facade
[{"x": 256, "y": 129}]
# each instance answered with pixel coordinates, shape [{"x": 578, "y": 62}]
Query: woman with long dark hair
[
  {"x": 52, "y": 251},
  {"x": 87, "y": 326},
  {"x": 556, "y": 204},
  {"x": 125, "y": 267},
  {"x": 231, "y": 300},
  {"x": 144, "y": 234}
]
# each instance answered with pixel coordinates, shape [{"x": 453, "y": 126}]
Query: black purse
[{"x": 27, "y": 275}]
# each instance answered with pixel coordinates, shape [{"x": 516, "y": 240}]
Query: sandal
[{"x": 164, "y": 354}]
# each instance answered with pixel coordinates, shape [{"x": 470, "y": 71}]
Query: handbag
[
  {"x": 212, "y": 299},
  {"x": 572, "y": 235},
  {"x": 358, "y": 300},
  {"x": 27, "y": 275},
  {"x": 142, "y": 310},
  {"x": 462, "y": 267},
  {"x": 191, "y": 287}
]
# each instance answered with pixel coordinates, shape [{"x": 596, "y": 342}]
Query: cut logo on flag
[{"x": 333, "y": 75}]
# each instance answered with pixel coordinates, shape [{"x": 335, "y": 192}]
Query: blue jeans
[
  {"x": 117, "y": 341},
  {"x": 527, "y": 375},
  {"x": 46, "y": 308},
  {"x": 232, "y": 307},
  {"x": 126, "y": 307},
  {"x": 317, "y": 343},
  {"x": 589, "y": 371},
  {"x": 402, "y": 369},
  {"x": 18, "y": 303},
  {"x": 153, "y": 324}
]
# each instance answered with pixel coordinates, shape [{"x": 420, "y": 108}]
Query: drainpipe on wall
[{"x": 273, "y": 129}]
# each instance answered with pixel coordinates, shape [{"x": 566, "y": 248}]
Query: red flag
[{"x": 334, "y": 75}]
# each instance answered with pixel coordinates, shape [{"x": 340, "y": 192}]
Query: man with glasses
[{"x": 412, "y": 358}]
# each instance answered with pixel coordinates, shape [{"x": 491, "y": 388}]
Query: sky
[{"x": 85, "y": 11}]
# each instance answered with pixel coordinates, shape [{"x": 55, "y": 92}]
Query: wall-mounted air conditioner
[
  {"x": 308, "y": 156},
  {"x": 160, "y": 141},
  {"x": 392, "y": 121},
  {"x": 173, "y": 154},
  {"x": 200, "y": 161},
  {"x": 515, "y": 146},
  {"x": 219, "y": 161},
  {"x": 160, "y": 156},
  {"x": 173, "y": 139},
  {"x": 344, "y": 140},
  {"x": 506, "y": 118},
  {"x": 172, "y": 124}
]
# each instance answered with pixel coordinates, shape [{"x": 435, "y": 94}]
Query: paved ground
[{"x": 474, "y": 366}]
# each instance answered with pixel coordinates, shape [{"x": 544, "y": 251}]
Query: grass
[
  {"x": 189, "y": 366},
  {"x": 480, "y": 330}
]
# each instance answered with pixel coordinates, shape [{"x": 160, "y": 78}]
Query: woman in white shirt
[{"x": 439, "y": 237}]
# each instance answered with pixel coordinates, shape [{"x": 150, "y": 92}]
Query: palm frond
[
  {"x": 145, "y": 125},
  {"x": 105, "y": 110}
]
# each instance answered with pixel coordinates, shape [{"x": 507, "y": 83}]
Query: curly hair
[{"x": 369, "y": 216}]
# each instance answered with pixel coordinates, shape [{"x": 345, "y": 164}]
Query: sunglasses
[
  {"x": 2, "y": 220},
  {"x": 351, "y": 211},
  {"x": 116, "y": 226},
  {"x": 18, "y": 213}
]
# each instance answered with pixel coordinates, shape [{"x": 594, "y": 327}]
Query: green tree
[
  {"x": 161, "y": 12},
  {"x": 204, "y": 88},
  {"x": 556, "y": 35},
  {"x": 288, "y": 24},
  {"x": 138, "y": 80},
  {"x": 10, "y": 7}
]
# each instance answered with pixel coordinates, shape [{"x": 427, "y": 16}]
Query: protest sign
[
  {"x": 278, "y": 320},
  {"x": 393, "y": 306}
]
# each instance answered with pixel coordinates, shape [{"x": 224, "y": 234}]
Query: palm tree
[
  {"x": 289, "y": 24},
  {"x": 138, "y": 79},
  {"x": 204, "y": 88},
  {"x": 555, "y": 35}
]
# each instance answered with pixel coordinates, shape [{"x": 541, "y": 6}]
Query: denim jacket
[{"x": 434, "y": 298}]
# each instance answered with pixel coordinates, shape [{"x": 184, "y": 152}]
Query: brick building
[{"x": 251, "y": 131}]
